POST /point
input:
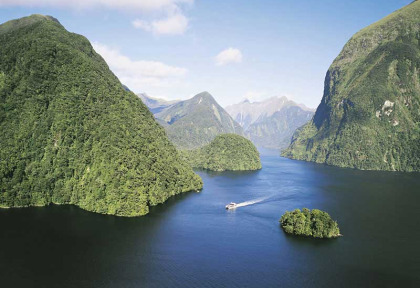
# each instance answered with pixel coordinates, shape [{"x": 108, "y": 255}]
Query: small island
[
  {"x": 311, "y": 223},
  {"x": 227, "y": 152}
]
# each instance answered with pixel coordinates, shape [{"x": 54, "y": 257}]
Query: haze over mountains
[
  {"x": 247, "y": 112},
  {"x": 269, "y": 123},
  {"x": 272, "y": 122},
  {"x": 369, "y": 116},
  {"x": 194, "y": 122},
  {"x": 156, "y": 105}
]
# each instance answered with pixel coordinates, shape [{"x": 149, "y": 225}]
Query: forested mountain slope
[
  {"x": 369, "y": 116},
  {"x": 226, "y": 152},
  {"x": 197, "y": 121},
  {"x": 71, "y": 133}
]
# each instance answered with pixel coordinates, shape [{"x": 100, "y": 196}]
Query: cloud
[
  {"x": 139, "y": 75},
  {"x": 141, "y": 24},
  {"x": 227, "y": 56},
  {"x": 172, "y": 25},
  {"x": 167, "y": 17},
  {"x": 128, "y": 5}
]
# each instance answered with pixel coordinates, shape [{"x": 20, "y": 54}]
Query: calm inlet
[{"x": 192, "y": 241}]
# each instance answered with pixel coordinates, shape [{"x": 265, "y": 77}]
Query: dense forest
[
  {"x": 369, "y": 116},
  {"x": 312, "y": 223},
  {"x": 71, "y": 133},
  {"x": 226, "y": 152}
]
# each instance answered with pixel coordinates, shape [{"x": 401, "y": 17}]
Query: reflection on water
[{"x": 193, "y": 241}]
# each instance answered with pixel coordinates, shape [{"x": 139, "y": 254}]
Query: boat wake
[{"x": 251, "y": 202}]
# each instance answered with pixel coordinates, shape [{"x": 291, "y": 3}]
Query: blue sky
[{"x": 234, "y": 49}]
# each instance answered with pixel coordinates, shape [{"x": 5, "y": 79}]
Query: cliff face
[
  {"x": 72, "y": 134},
  {"x": 369, "y": 116}
]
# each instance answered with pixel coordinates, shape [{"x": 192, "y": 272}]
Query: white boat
[{"x": 232, "y": 205}]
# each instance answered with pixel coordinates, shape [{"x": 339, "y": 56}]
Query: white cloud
[
  {"x": 128, "y": 5},
  {"x": 175, "y": 24},
  {"x": 172, "y": 25},
  {"x": 139, "y": 75},
  {"x": 141, "y": 24},
  {"x": 166, "y": 15},
  {"x": 227, "y": 56}
]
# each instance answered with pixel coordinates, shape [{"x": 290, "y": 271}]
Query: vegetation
[
  {"x": 369, "y": 116},
  {"x": 225, "y": 152},
  {"x": 71, "y": 133},
  {"x": 315, "y": 223},
  {"x": 195, "y": 122}
]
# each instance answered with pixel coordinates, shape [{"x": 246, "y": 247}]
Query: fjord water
[{"x": 192, "y": 241}]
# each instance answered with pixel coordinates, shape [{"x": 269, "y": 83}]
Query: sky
[{"x": 236, "y": 50}]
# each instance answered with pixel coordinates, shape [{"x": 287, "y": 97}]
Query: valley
[{"x": 153, "y": 146}]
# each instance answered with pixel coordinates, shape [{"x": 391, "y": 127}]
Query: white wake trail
[{"x": 247, "y": 203}]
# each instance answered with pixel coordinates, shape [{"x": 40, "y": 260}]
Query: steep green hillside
[
  {"x": 70, "y": 132},
  {"x": 226, "y": 152},
  {"x": 195, "y": 122},
  {"x": 369, "y": 116}
]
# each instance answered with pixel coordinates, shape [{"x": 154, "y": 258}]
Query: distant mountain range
[
  {"x": 272, "y": 122},
  {"x": 156, "y": 105},
  {"x": 194, "y": 122}
]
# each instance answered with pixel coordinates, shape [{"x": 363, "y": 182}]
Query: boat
[{"x": 232, "y": 205}]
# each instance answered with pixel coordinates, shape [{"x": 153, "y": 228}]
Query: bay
[{"x": 192, "y": 241}]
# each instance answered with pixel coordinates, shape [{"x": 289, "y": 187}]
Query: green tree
[
  {"x": 225, "y": 152},
  {"x": 315, "y": 223}
]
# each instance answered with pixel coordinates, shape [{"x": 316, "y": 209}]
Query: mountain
[
  {"x": 225, "y": 152},
  {"x": 370, "y": 112},
  {"x": 276, "y": 131},
  {"x": 71, "y": 133},
  {"x": 195, "y": 122},
  {"x": 246, "y": 112},
  {"x": 156, "y": 105},
  {"x": 270, "y": 123}
]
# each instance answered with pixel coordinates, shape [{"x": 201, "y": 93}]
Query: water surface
[{"x": 192, "y": 241}]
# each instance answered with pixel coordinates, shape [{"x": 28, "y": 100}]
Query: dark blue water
[{"x": 192, "y": 241}]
